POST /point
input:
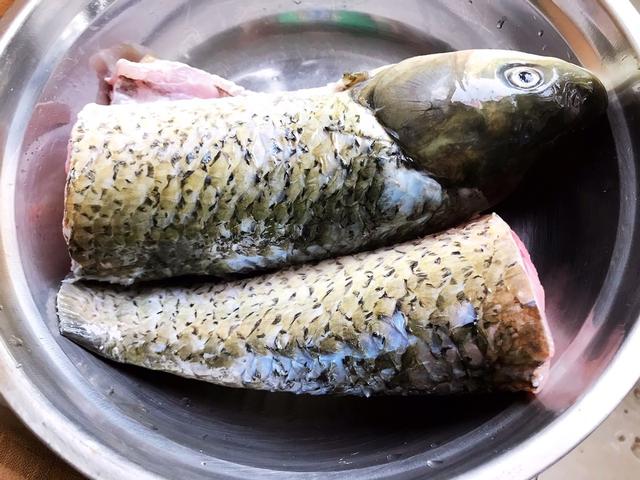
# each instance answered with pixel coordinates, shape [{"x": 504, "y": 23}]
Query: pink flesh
[
  {"x": 67, "y": 162},
  {"x": 148, "y": 79},
  {"x": 532, "y": 273},
  {"x": 155, "y": 80},
  {"x": 104, "y": 63}
]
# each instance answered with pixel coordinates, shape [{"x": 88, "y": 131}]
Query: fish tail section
[
  {"x": 80, "y": 318},
  {"x": 459, "y": 311}
]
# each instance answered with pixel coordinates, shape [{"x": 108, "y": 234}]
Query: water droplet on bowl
[
  {"x": 15, "y": 341},
  {"x": 393, "y": 457},
  {"x": 500, "y": 23},
  {"x": 635, "y": 447},
  {"x": 434, "y": 463},
  {"x": 540, "y": 33}
]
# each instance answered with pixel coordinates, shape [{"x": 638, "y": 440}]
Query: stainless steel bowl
[{"x": 577, "y": 211}]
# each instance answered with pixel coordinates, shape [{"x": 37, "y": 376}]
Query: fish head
[{"x": 476, "y": 118}]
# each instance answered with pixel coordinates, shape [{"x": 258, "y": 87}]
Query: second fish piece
[{"x": 459, "y": 311}]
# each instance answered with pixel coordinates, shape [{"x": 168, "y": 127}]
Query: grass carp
[
  {"x": 459, "y": 311},
  {"x": 257, "y": 181}
]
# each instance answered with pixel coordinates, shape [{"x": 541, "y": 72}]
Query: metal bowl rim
[{"x": 75, "y": 446}]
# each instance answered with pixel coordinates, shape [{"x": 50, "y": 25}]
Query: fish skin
[
  {"x": 450, "y": 313},
  {"x": 222, "y": 186}
]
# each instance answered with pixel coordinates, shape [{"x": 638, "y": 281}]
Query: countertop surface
[{"x": 24, "y": 457}]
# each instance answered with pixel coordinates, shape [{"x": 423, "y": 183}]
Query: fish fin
[{"x": 76, "y": 306}]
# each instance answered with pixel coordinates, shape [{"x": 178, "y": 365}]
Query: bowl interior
[{"x": 567, "y": 212}]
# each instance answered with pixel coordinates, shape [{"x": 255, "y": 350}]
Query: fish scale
[
  {"x": 425, "y": 316},
  {"x": 224, "y": 186}
]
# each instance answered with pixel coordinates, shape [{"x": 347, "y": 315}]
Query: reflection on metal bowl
[{"x": 577, "y": 211}]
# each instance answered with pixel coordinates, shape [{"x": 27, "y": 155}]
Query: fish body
[
  {"x": 220, "y": 186},
  {"x": 459, "y": 311},
  {"x": 242, "y": 184}
]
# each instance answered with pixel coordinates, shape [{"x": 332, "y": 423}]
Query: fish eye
[{"x": 524, "y": 78}]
